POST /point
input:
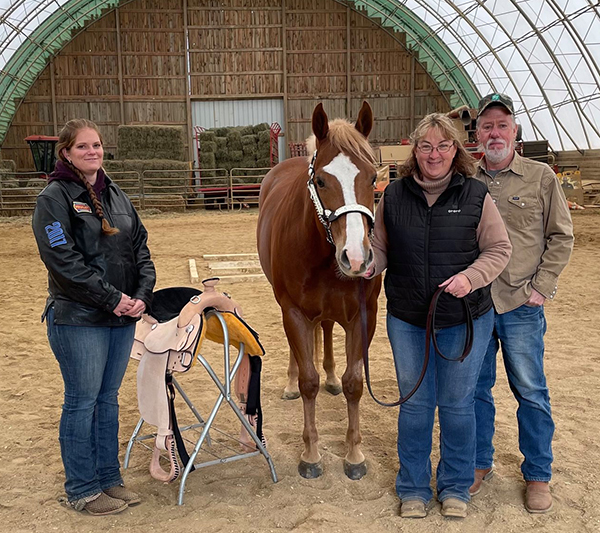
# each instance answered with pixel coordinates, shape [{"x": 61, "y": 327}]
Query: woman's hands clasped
[
  {"x": 457, "y": 285},
  {"x": 129, "y": 306}
]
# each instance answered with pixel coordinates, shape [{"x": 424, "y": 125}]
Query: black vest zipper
[{"x": 427, "y": 229}]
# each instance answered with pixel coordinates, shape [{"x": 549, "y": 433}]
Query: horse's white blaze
[{"x": 346, "y": 171}]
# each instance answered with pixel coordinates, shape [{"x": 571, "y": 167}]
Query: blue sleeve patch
[{"x": 56, "y": 235}]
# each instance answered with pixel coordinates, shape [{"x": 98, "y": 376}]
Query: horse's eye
[
  {"x": 320, "y": 183},
  {"x": 374, "y": 180}
]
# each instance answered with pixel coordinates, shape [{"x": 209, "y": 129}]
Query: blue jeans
[
  {"x": 92, "y": 361},
  {"x": 520, "y": 333},
  {"x": 449, "y": 385}
]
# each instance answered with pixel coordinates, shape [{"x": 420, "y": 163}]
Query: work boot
[
  {"x": 537, "y": 497},
  {"x": 481, "y": 475},
  {"x": 99, "y": 504},
  {"x": 454, "y": 508},
  {"x": 413, "y": 509},
  {"x": 121, "y": 493}
]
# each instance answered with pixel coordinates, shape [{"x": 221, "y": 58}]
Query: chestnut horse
[{"x": 314, "y": 226}]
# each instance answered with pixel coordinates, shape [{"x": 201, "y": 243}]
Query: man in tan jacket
[{"x": 535, "y": 212}]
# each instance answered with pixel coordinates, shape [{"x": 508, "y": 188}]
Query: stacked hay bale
[
  {"x": 160, "y": 152},
  {"x": 244, "y": 147}
]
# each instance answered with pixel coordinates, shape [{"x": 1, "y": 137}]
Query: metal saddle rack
[{"x": 169, "y": 340}]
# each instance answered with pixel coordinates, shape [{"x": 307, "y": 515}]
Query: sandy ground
[{"x": 241, "y": 496}]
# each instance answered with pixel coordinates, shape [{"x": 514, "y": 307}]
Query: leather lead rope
[{"x": 429, "y": 336}]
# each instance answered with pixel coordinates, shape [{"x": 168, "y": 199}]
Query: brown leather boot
[
  {"x": 537, "y": 497},
  {"x": 481, "y": 475}
]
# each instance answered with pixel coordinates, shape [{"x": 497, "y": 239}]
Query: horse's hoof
[
  {"x": 355, "y": 471},
  {"x": 310, "y": 470},
  {"x": 333, "y": 388},
  {"x": 290, "y": 395}
]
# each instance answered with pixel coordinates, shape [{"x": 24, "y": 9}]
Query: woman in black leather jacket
[{"x": 100, "y": 281}]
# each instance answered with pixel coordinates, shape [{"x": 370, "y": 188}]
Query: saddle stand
[{"x": 169, "y": 340}]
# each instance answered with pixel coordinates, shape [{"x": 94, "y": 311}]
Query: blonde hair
[
  {"x": 464, "y": 163},
  {"x": 66, "y": 139},
  {"x": 345, "y": 138}
]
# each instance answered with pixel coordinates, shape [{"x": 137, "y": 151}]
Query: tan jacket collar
[{"x": 516, "y": 165}]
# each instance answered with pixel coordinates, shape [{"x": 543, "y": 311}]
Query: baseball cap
[{"x": 496, "y": 99}]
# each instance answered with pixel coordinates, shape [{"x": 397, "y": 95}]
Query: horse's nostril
[{"x": 345, "y": 262}]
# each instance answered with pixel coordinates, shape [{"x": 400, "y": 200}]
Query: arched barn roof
[{"x": 544, "y": 53}]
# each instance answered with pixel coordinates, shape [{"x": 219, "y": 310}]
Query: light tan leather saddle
[{"x": 168, "y": 340}]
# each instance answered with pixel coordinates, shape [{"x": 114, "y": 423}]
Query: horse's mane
[{"x": 346, "y": 138}]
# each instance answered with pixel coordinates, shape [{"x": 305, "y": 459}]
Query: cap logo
[{"x": 496, "y": 97}]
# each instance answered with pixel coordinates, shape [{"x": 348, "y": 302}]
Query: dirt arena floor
[{"x": 241, "y": 496}]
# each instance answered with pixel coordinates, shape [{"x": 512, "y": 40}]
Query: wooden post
[
  {"x": 348, "y": 63},
  {"x": 285, "y": 77},
  {"x": 188, "y": 101},
  {"x": 120, "y": 67},
  {"x": 413, "y": 63},
  {"x": 53, "y": 96}
]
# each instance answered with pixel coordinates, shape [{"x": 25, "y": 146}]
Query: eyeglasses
[{"x": 442, "y": 148}]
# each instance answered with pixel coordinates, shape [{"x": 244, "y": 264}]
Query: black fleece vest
[{"x": 427, "y": 245}]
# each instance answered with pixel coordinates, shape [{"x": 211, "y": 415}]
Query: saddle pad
[{"x": 239, "y": 332}]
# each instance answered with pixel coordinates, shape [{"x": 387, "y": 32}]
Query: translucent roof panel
[{"x": 543, "y": 53}]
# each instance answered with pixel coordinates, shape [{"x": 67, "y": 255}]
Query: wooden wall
[{"x": 130, "y": 67}]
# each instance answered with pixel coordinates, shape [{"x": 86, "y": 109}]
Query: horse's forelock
[{"x": 346, "y": 138}]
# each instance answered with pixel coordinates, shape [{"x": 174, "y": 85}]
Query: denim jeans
[
  {"x": 520, "y": 333},
  {"x": 92, "y": 361},
  {"x": 449, "y": 385}
]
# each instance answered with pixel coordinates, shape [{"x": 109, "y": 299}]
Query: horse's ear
[
  {"x": 320, "y": 123},
  {"x": 364, "y": 122}
]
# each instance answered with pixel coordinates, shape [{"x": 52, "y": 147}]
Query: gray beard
[{"x": 497, "y": 156}]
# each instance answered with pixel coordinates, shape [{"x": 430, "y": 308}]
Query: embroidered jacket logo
[
  {"x": 82, "y": 207},
  {"x": 56, "y": 235},
  {"x": 454, "y": 210}
]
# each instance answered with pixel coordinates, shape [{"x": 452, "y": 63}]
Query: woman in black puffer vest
[{"x": 436, "y": 226}]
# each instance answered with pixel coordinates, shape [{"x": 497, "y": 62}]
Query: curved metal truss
[{"x": 544, "y": 53}]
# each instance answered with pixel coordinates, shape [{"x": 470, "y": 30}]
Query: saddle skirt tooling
[{"x": 168, "y": 340}]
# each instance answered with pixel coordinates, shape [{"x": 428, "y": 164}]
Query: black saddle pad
[{"x": 168, "y": 303}]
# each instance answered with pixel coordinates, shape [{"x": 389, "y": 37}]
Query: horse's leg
[
  {"x": 333, "y": 384},
  {"x": 291, "y": 391},
  {"x": 352, "y": 381},
  {"x": 300, "y": 334}
]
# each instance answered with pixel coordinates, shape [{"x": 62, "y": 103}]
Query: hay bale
[
  {"x": 249, "y": 145},
  {"x": 264, "y": 137},
  {"x": 261, "y": 127},
  {"x": 246, "y": 130},
  {"x": 112, "y": 165},
  {"x": 8, "y": 164},
  {"x": 207, "y": 160},
  {"x": 221, "y": 155},
  {"x": 234, "y": 140},
  {"x": 264, "y": 162},
  {"x": 221, "y": 132},
  {"x": 151, "y": 142},
  {"x": 208, "y": 146},
  {"x": 207, "y": 136},
  {"x": 221, "y": 142},
  {"x": 248, "y": 162},
  {"x": 38, "y": 183},
  {"x": 236, "y": 155}
]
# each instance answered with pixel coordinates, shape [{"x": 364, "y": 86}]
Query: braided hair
[{"x": 66, "y": 139}]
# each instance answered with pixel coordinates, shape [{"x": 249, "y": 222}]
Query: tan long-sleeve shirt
[
  {"x": 494, "y": 245},
  {"x": 531, "y": 202}
]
